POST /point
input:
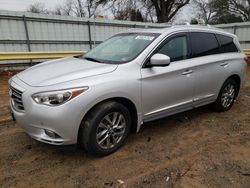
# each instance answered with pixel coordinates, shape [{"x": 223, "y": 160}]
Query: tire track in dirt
[{"x": 198, "y": 148}]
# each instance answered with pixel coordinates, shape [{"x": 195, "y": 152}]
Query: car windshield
[{"x": 120, "y": 48}]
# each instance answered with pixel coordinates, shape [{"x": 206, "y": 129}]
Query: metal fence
[
  {"x": 21, "y": 31},
  {"x": 242, "y": 30},
  {"x": 28, "y": 32}
]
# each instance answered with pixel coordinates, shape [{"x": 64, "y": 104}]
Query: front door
[{"x": 168, "y": 90}]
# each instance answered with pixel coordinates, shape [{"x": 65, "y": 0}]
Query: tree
[
  {"x": 223, "y": 13},
  {"x": 167, "y": 9},
  {"x": 205, "y": 9},
  {"x": 58, "y": 10},
  {"x": 84, "y": 8},
  {"x": 129, "y": 14},
  {"x": 241, "y": 8},
  {"x": 149, "y": 11},
  {"x": 134, "y": 10},
  {"x": 79, "y": 8},
  {"x": 135, "y": 15},
  {"x": 194, "y": 21},
  {"x": 124, "y": 9},
  {"x": 119, "y": 9},
  {"x": 216, "y": 11},
  {"x": 226, "y": 18},
  {"x": 67, "y": 8},
  {"x": 38, "y": 8},
  {"x": 91, "y": 7}
]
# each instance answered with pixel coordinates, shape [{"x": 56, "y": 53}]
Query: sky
[{"x": 22, "y": 5}]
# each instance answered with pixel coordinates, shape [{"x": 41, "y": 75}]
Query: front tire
[
  {"x": 227, "y": 95},
  {"x": 105, "y": 128}
]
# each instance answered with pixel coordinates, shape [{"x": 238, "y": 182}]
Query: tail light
[{"x": 247, "y": 60}]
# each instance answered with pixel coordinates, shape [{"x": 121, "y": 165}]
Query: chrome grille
[{"x": 16, "y": 96}]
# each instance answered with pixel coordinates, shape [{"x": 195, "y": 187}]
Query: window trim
[{"x": 166, "y": 40}]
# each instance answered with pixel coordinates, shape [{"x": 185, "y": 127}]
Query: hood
[{"x": 63, "y": 70}]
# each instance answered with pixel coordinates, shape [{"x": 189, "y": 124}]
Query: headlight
[{"x": 55, "y": 98}]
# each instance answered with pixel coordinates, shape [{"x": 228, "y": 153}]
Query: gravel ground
[{"x": 198, "y": 148}]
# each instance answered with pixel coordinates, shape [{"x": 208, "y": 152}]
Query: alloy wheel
[
  {"x": 228, "y": 95},
  {"x": 110, "y": 130}
]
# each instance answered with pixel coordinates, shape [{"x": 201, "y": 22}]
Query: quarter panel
[{"x": 211, "y": 73}]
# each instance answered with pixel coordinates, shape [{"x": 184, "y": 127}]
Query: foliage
[
  {"x": 217, "y": 11},
  {"x": 240, "y": 8},
  {"x": 167, "y": 9},
  {"x": 210, "y": 11},
  {"x": 38, "y": 8},
  {"x": 194, "y": 21}
]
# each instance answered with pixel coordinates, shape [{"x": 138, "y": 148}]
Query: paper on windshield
[{"x": 144, "y": 37}]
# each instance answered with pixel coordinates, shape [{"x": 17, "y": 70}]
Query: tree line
[{"x": 161, "y": 11}]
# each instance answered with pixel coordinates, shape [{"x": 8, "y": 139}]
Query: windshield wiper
[{"x": 92, "y": 59}]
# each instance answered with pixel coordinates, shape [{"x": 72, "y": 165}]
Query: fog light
[{"x": 51, "y": 134}]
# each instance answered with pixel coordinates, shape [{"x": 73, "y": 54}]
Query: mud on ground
[{"x": 198, "y": 148}]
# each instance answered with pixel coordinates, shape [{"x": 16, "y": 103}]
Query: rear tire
[
  {"x": 105, "y": 128},
  {"x": 227, "y": 95}
]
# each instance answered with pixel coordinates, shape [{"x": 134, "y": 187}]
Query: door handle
[
  {"x": 186, "y": 72},
  {"x": 223, "y": 64}
]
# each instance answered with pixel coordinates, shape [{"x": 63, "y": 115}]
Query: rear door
[{"x": 210, "y": 67}]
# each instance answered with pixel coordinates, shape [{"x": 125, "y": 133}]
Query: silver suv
[{"x": 132, "y": 78}]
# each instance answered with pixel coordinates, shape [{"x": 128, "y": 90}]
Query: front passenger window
[{"x": 176, "y": 49}]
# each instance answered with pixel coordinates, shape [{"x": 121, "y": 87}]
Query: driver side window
[{"x": 175, "y": 48}]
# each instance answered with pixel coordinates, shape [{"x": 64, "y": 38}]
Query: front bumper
[
  {"x": 39, "y": 120},
  {"x": 36, "y": 131}
]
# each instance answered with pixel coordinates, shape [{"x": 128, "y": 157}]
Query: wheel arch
[
  {"x": 123, "y": 100},
  {"x": 237, "y": 79}
]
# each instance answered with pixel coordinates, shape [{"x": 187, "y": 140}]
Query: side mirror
[{"x": 160, "y": 60}]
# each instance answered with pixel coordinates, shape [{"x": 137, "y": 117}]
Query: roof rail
[
  {"x": 187, "y": 23},
  {"x": 205, "y": 25}
]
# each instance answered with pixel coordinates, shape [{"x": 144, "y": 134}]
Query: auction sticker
[{"x": 144, "y": 37}]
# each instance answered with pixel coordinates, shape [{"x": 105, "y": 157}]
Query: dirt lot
[{"x": 199, "y": 148}]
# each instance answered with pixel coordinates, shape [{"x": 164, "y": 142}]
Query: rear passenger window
[
  {"x": 204, "y": 44},
  {"x": 175, "y": 48},
  {"x": 226, "y": 43}
]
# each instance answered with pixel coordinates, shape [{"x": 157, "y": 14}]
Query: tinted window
[
  {"x": 226, "y": 43},
  {"x": 176, "y": 48},
  {"x": 204, "y": 44}
]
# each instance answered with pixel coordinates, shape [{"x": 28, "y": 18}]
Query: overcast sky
[{"x": 22, "y": 5}]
